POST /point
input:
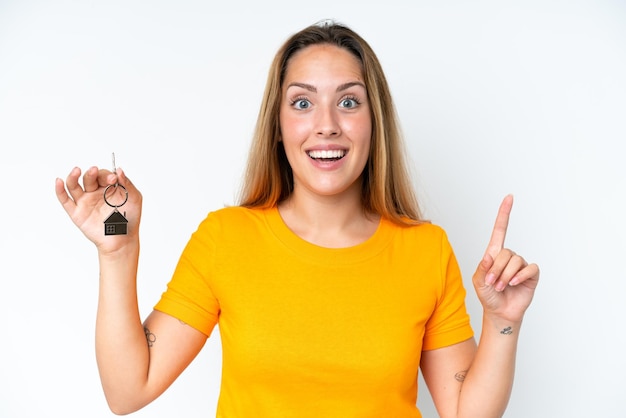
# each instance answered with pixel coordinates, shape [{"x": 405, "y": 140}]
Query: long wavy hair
[{"x": 387, "y": 189}]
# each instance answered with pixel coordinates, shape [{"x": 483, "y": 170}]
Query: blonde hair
[{"x": 387, "y": 189}]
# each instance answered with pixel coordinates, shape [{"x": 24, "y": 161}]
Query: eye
[
  {"x": 349, "y": 102},
  {"x": 301, "y": 103}
]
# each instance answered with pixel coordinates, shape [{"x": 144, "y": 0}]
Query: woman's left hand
[{"x": 505, "y": 283}]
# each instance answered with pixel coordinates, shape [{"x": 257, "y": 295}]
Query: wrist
[
  {"x": 503, "y": 326},
  {"x": 128, "y": 250}
]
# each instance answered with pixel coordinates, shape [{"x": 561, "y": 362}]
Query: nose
[{"x": 327, "y": 122}]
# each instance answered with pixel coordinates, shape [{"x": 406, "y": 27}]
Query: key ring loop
[{"x": 116, "y": 186}]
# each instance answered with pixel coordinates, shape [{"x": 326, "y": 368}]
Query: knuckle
[{"x": 510, "y": 252}]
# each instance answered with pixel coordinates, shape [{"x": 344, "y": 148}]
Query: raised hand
[
  {"x": 86, "y": 207},
  {"x": 505, "y": 283}
]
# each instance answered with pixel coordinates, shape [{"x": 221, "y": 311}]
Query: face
[{"x": 325, "y": 121}]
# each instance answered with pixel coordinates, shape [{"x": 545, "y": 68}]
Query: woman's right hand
[{"x": 87, "y": 208}]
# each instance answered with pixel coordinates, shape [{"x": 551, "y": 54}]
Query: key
[{"x": 116, "y": 223}]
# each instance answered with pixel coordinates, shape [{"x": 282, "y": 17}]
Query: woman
[{"x": 329, "y": 289}]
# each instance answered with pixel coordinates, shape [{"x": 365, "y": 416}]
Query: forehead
[{"x": 323, "y": 60}]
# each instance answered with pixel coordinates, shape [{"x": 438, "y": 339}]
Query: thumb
[
  {"x": 480, "y": 275},
  {"x": 125, "y": 181}
]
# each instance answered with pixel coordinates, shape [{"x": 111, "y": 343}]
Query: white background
[{"x": 495, "y": 97}]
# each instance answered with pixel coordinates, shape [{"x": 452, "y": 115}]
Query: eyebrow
[{"x": 313, "y": 89}]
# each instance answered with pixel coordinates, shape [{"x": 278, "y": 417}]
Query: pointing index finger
[{"x": 496, "y": 243}]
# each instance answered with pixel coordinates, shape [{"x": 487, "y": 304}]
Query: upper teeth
[{"x": 327, "y": 153}]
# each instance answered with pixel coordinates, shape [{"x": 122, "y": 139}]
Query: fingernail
[
  {"x": 490, "y": 279},
  {"x": 500, "y": 286},
  {"x": 514, "y": 281}
]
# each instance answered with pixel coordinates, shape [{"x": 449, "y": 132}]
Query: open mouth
[{"x": 327, "y": 155}]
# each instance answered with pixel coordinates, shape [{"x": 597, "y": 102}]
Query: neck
[{"x": 329, "y": 221}]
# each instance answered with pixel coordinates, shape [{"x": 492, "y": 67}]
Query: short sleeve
[
  {"x": 450, "y": 323},
  {"x": 189, "y": 296}
]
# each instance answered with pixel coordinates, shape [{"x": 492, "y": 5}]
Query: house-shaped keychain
[{"x": 115, "y": 224}]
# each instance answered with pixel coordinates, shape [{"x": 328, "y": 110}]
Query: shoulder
[
  {"x": 424, "y": 230},
  {"x": 232, "y": 219},
  {"x": 234, "y": 214},
  {"x": 424, "y": 238}
]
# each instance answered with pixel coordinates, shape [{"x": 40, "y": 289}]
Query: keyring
[{"x": 116, "y": 186}]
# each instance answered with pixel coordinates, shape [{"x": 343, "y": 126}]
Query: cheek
[
  {"x": 361, "y": 136},
  {"x": 292, "y": 128},
  {"x": 291, "y": 134},
  {"x": 359, "y": 130}
]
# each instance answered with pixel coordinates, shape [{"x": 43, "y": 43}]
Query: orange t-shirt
[{"x": 317, "y": 332}]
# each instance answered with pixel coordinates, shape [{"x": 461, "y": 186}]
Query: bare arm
[
  {"x": 466, "y": 380},
  {"x": 136, "y": 362},
  {"x": 469, "y": 381}
]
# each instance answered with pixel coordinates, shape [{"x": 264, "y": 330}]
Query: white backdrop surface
[{"x": 495, "y": 97}]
